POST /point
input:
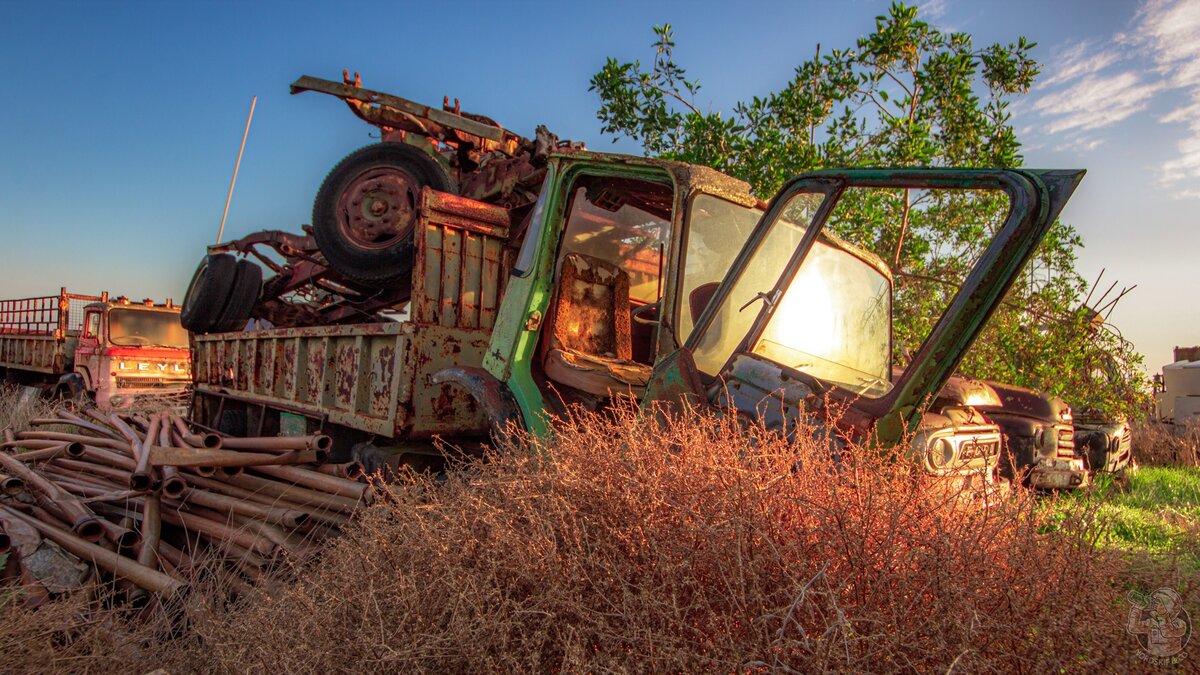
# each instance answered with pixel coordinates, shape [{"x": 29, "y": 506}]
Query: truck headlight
[{"x": 941, "y": 453}]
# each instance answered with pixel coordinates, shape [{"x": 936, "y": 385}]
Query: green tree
[{"x": 907, "y": 94}]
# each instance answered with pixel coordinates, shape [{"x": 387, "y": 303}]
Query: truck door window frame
[{"x": 91, "y": 324}]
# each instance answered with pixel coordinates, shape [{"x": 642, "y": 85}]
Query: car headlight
[{"x": 941, "y": 453}]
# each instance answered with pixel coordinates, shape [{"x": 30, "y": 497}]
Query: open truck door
[{"x": 803, "y": 320}]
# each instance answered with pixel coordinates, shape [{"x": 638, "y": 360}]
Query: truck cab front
[{"x": 133, "y": 354}]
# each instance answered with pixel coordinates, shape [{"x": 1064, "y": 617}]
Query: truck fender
[
  {"x": 492, "y": 396},
  {"x": 71, "y": 385}
]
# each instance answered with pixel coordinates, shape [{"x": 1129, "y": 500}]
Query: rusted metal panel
[
  {"x": 349, "y": 374},
  {"x": 38, "y": 353},
  {"x": 444, "y": 408},
  {"x": 452, "y": 272},
  {"x": 460, "y": 262},
  {"x": 372, "y": 377},
  {"x": 491, "y": 281}
]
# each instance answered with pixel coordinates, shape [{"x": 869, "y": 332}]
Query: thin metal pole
[{"x": 236, "y": 165}]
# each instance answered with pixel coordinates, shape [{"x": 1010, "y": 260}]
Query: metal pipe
[
  {"x": 292, "y": 545},
  {"x": 119, "y": 476},
  {"x": 206, "y": 440},
  {"x": 112, "y": 444},
  {"x": 172, "y": 484},
  {"x": 50, "y": 510},
  {"x": 108, "y": 458},
  {"x": 295, "y": 493},
  {"x": 151, "y": 531},
  {"x": 315, "y": 511},
  {"x": 11, "y": 485},
  {"x": 80, "y": 516},
  {"x": 226, "y": 458},
  {"x": 279, "y": 443},
  {"x": 78, "y": 421},
  {"x": 347, "y": 470},
  {"x": 114, "y": 563},
  {"x": 60, "y": 473},
  {"x": 101, "y": 496},
  {"x": 215, "y": 529},
  {"x": 55, "y": 449},
  {"x": 140, "y": 479},
  {"x": 224, "y": 503},
  {"x": 143, "y": 466},
  {"x": 319, "y": 481}
]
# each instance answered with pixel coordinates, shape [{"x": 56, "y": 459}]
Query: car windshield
[
  {"x": 834, "y": 322},
  {"x": 142, "y": 328}
]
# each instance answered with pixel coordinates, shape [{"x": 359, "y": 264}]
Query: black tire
[
  {"x": 208, "y": 293},
  {"x": 247, "y": 284},
  {"x": 365, "y": 212}
]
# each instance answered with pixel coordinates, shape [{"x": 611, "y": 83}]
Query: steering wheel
[{"x": 636, "y": 314}]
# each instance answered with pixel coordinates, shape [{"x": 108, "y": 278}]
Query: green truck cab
[{"x": 798, "y": 318}]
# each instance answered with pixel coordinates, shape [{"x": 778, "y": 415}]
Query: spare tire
[
  {"x": 365, "y": 212},
  {"x": 247, "y": 284},
  {"x": 208, "y": 293}
]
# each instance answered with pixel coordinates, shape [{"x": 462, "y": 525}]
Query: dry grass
[
  {"x": 621, "y": 545},
  {"x": 699, "y": 546},
  {"x": 1158, "y": 444},
  {"x": 18, "y": 407}
]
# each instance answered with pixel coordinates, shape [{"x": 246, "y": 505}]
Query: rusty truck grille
[
  {"x": 1066, "y": 442},
  {"x": 149, "y": 383},
  {"x": 976, "y": 449}
]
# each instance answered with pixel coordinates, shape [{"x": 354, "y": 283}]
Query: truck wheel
[
  {"x": 365, "y": 212},
  {"x": 208, "y": 292},
  {"x": 247, "y": 284}
]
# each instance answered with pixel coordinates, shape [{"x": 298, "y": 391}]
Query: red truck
[{"x": 117, "y": 353}]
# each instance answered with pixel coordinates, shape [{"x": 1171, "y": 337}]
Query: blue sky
[{"x": 120, "y": 120}]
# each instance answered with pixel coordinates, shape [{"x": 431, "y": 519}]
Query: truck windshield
[
  {"x": 834, "y": 323},
  {"x": 141, "y": 328},
  {"x": 756, "y": 278}
]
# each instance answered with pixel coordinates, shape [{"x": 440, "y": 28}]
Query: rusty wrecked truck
[
  {"x": 114, "y": 352},
  {"x": 558, "y": 276}
]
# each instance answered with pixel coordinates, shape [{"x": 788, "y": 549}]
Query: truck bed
[
  {"x": 39, "y": 334},
  {"x": 377, "y": 377}
]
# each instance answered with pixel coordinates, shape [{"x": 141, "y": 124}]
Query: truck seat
[{"x": 590, "y": 348}]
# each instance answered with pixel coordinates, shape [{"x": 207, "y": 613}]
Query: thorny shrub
[{"x": 623, "y": 544}]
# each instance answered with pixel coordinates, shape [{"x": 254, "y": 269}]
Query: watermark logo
[{"x": 1160, "y": 624}]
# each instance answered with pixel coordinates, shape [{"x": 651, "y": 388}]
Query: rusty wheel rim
[{"x": 377, "y": 208}]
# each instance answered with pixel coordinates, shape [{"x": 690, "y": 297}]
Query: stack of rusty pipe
[{"x": 143, "y": 499}]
